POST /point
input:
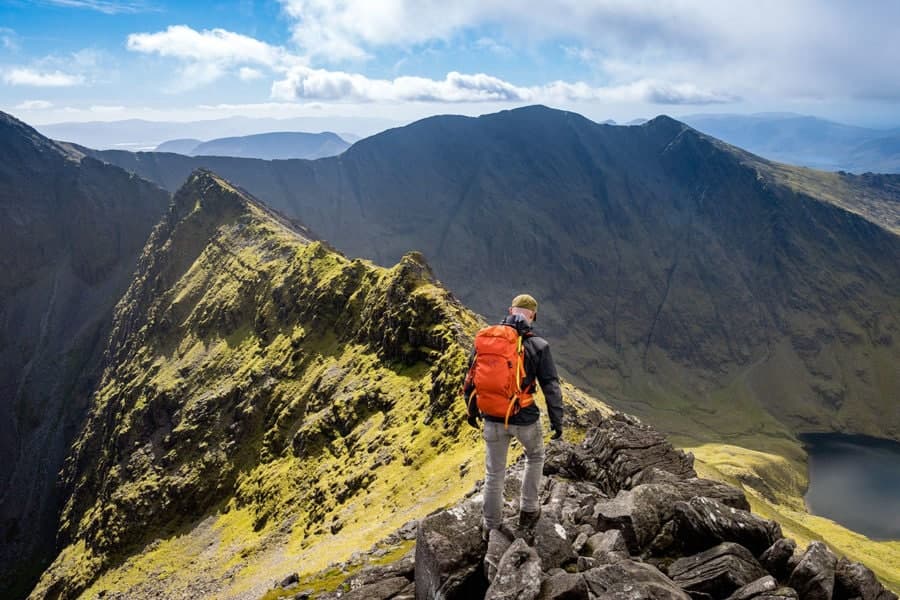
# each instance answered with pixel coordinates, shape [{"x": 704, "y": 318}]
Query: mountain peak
[
  {"x": 209, "y": 200},
  {"x": 665, "y": 123},
  {"x": 206, "y": 192}
]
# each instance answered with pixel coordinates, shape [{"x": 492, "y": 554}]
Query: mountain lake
[{"x": 855, "y": 481}]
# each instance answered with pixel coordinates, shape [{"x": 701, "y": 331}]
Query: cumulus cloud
[
  {"x": 34, "y": 105},
  {"x": 31, "y": 77},
  {"x": 305, "y": 83},
  {"x": 209, "y": 54},
  {"x": 798, "y": 49},
  {"x": 210, "y": 45}
]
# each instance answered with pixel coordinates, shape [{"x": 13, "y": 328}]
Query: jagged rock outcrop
[
  {"x": 604, "y": 548},
  {"x": 716, "y": 572},
  {"x": 518, "y": 575},
  {"x": 777, "y": 558},
  {"x": 853, "y": 580},
  {"x": 451, "y": 545},
  {"x": 762, "y": 586},
  {"x": 813, "y": 577}
]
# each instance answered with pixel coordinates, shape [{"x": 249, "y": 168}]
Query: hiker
[{"x": 507, "y": 361}]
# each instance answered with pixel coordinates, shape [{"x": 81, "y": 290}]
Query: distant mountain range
[
  {"x": 269, "y": 146},
  {"x": 806, "y": 141},
  {"x": 783, "y": 137},
  {"x": 139, "y": 134}
]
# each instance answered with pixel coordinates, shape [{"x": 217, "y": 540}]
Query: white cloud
[
  {"x": 211, "y": 45},
  {"x": 34, "y": 105},
  {"x": 210, "y": 54},
  {"x": 799, "y": 49},
  {"x": 248, "y": 74},
  {"x": 31, "y": 77},
  {"x": 304, "y": 83}
]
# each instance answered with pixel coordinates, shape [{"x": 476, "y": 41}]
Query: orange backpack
[{"x": 498, "y": 371}]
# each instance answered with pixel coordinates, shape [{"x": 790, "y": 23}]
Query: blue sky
[{"x": 80, "y": 60}]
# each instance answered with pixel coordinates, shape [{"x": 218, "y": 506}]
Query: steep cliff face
[
  {"x": 687, "y": 280},
  {"x": 265, "y": 398},
  {"x": 71, "y": 230}
]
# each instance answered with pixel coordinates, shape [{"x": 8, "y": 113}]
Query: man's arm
[
  {"x": 472, "y": 414},
  {"x": 545, "y": 372}
]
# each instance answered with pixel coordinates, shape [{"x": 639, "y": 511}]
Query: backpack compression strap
[{"x": 520, "y": 374}]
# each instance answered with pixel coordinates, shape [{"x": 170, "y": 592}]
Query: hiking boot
[{"x": 528, "y": 519}]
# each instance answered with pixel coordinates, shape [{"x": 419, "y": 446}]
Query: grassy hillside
[{"x": 268, "y": 403}]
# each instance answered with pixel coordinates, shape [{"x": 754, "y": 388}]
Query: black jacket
[{"x": 538, "y": 367}]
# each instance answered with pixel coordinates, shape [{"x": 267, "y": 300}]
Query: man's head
[{"x": 524, "y": 305}]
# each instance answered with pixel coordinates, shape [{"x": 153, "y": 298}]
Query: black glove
[
  {"x": 473, "y": 421},
  {"x": 557, "y": 433}
]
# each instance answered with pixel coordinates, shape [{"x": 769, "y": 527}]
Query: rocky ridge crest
[{"x": 623, "y": 516}]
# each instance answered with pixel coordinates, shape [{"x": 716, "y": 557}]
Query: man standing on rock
[{"x": 507, "y": 362}]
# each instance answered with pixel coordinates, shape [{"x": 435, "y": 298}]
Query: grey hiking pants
[{"x": 497, "y": 439}]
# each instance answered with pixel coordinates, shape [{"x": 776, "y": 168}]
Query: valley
[{"x": 258, "y": 399}]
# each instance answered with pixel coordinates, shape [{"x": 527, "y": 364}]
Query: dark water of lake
[{"x": 855, "y": 481}]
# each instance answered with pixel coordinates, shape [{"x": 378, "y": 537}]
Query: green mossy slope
[{"x": 267, "y": 403}]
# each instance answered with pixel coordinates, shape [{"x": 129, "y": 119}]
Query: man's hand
[
  {"x": 557, "y": 433},
  {"x": 473, "y": 421}
]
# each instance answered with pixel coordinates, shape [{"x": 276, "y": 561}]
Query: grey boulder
[
  {"x": 776, "y": 559},
  {"x": 518, "y": 575},
  {"x": 629, "y": 580},
  {"x": 718, "y": 571},
  {"x": 449, "y": 549},
  {"x": 704, "y": 522},
  {"x": 854, "y": 580},
  {"x": 813, "y": 578},
  {"x": 564, "y": 586}
]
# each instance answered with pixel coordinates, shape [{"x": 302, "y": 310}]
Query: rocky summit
[{"x": 623, "y": 517}]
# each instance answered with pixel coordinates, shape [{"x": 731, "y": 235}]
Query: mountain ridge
[{"x": 606, "y": 208}]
